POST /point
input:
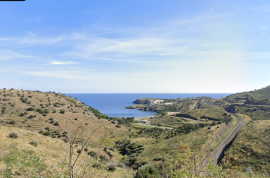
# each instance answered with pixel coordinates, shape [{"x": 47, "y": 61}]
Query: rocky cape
[{"x": 142, "y": 101}]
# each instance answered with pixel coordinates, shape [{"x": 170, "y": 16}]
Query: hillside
[
  {"x": 251, "y": 148},
  {"x": 48, "y": 113},
  {"x": 35, "y": 155},
  {"x": 48, "y": 119},
  {"x": 255, "y": 112},
  {"x": 260, "y": 96}
]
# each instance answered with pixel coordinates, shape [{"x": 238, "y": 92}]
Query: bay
[{"x": 113, "y": 104}]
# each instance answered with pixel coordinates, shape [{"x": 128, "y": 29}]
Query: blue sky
[{"x": 135, "y": 46}]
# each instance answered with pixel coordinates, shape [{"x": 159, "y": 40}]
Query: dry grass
[
  {"x": 75, "y": 113},
  {"x": 49, "y": 150}
]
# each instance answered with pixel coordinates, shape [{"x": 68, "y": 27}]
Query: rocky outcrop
[{"x": 142, "y": 101}]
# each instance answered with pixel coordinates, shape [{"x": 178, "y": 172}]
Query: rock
[{"x": 142, "y": 101}]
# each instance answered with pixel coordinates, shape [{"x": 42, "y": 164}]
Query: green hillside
[
  {"x": 251, "y": 148},
  {"x": 260, "y": 96}
]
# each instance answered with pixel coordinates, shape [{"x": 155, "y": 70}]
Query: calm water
[{"x": 113, "y": 104}]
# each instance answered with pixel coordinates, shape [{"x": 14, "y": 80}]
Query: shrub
[
  {"x": 97, "y": 165},
  {"x": 40, "y": 111},
  {"x": 46, "y": 111},
  {"x": 47, "y": 133},
  {"x": 30, "y": 109},
  {"x": 102, "y": 157},
  {"x": 111, "y": 166},
  {"x": 158, "y": 159},
  {"x": 127, "y": 148},
  {"x": 32, "y": 116},
  {"x": 24, "y": 100},
  {"x": 56, "y": 124},
  {"x": 12, "y": 122},
  {"x": 147, "y": 171},
  {"x": 62, "y": 111},
  {"x": 110, "y": 154},
  {"x": 13, "y": 135},
  {"x": 111, "y": 148},
  {"x": 23, "y": 114},
  {"x": 79, "y": 151},
  {"x": 92, "y": 153},
  {"x": 33, "y": 143}
]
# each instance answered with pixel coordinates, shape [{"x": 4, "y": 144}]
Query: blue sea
[{"x": 113, "y": 104}]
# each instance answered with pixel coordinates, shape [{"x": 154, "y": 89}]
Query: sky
[{"x": 135, "y": 46}]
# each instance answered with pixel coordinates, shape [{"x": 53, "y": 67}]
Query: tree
[
  {"x": 72, "y": 159},
  {"x": 147, "y": 171}
]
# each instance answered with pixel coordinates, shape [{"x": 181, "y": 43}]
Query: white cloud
[
  {"x": 8, "y": 54},
  {"x": 73, "y": 75},
  {"x": 176, "y": 56},
  {"x": 127, "y": 50},
  {"x": 62, "y": 63},
  {"x": 30, "y": 40},
  {"x": 32, "y": 34}
]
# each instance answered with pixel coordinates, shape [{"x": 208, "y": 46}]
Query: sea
[{"x": 114, "y": 104}]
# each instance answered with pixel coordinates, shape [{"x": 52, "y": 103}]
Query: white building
[{"x": 153, "y": 102}]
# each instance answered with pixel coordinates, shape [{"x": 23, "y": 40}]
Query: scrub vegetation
[{"x": 43, "y": 132}]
